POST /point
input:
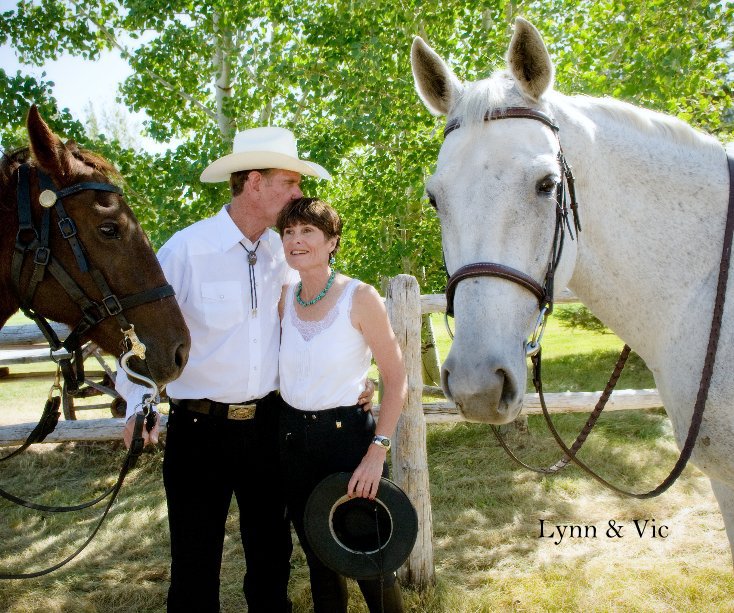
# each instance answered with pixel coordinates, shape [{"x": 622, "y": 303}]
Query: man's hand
[
  {"x": 149, "y": 438},
  {"x": 365, "y": 398}
]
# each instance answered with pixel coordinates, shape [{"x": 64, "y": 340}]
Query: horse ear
[
  {"x": 529, "y": 61},
  {"x": 47, "y": 148},
  {"x": 437, "y": 86}
]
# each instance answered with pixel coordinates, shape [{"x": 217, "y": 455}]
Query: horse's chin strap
[{"x": 93, "y": 312}]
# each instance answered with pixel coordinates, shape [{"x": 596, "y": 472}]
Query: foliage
[
  {"x": 338, "y": 74},
  {"x": 578, "y": 316}
]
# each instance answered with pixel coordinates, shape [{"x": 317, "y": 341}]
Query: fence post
[{"x": 409, "y": 459}]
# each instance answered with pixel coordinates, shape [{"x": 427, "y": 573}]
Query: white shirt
[
  {"x": 323, "y": 364},
  {"x": 234, "y": 348}
]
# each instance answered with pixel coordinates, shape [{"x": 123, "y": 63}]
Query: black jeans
[
  {"x": 313, "y": 445},
  {"x": 207, "y": 459}
]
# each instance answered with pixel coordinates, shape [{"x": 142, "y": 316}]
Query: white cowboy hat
[{"x": 262, "y": 148}]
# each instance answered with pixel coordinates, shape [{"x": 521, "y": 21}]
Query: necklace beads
[{"x": 307, "y": 303}]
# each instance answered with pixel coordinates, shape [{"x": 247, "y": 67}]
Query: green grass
[{"x": 486, "y": 512}]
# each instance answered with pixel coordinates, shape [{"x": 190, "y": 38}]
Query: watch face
[{"x": 382, "y": 440}]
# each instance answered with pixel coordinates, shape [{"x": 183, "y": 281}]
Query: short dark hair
[
  {"x": 238, "y": 179},
  {"x": 314, "y": 212}
]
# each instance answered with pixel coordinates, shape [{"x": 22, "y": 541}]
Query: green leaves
[{"x": 338, "y": 74}]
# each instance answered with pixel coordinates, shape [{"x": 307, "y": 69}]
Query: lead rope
[
  {"x": 145, "y": 418},
  {"x": 590, "y": 422},
  {"x": 133, "y": 453},
  {"x": 703, "y": 389}
]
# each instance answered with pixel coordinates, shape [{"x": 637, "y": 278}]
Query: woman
[{"x": 331, "y": 327}]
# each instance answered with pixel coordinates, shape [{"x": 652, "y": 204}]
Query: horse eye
[
  {"x": 432, "y": 200},
  {"x": 546, "y": 186},
  {"x": 110, "y": 230}
]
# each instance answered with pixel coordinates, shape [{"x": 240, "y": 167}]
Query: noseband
[
  {"x": 564, "y": 191},
  {"x": 34, "y": 242}
]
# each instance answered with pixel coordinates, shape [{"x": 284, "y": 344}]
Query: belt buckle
[{"x": 241, "y": 411}]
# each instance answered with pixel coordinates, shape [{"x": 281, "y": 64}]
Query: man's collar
[{"x": 230, "y": 234}]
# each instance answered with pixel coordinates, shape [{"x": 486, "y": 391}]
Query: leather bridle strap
[
  {"x": 93, "y": 313},
  {"x": 510, "y": 112},
  {"x": 490, "y": 269}
]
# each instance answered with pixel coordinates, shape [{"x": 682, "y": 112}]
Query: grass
[{"x": 486, "y": 516}]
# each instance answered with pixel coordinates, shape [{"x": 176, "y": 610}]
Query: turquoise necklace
[{"x": 304, "y": 303}]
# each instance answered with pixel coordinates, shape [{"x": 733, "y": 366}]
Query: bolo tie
[{"x": 251, "y": 261}]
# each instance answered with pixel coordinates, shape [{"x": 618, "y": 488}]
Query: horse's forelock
[
  {"x": 480, "y": 97},
  {"x": 97, "y": 162}
]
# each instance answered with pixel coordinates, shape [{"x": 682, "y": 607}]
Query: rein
[
  {"x": 93, "y": 313},
  {"x": 544, "y": 295}
]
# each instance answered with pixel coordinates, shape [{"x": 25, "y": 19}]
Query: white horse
[{"x": 652, "y": 195}]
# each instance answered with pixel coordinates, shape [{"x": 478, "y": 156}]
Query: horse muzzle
[{"x": 485, "y": 391}]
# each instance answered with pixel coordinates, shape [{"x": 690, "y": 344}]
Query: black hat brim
[{"x": 396, "y": 511}]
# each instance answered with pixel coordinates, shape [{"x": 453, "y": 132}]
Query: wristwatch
[{"x": 381, "y": 441}]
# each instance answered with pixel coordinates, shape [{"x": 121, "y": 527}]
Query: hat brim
[
  {"x": 330, "y": 494},
  {"x": 219, "y": 170}
]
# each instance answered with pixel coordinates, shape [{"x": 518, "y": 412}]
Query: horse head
[
  {"x": 100, "y": 246},
  {"x": 495, "y": 190}
]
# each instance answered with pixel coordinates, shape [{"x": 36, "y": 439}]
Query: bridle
[
  {"x": 544, "y": 294},
  {"x": 565, "y": 190},
  {"x": 32, "y": 241},
  {"x": 32, "y": 244}
]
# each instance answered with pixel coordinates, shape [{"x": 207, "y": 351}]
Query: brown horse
[{"x": 94, "y": 237}]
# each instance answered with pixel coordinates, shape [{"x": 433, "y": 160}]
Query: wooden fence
[{"x": 405, "y": 307}]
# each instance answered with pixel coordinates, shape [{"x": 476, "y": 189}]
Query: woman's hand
[
  {"x": 365, "y": 398},
  {"x": 366, "y": 478}
]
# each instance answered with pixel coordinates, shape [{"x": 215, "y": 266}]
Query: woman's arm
[{"x": 369, "y": 316}]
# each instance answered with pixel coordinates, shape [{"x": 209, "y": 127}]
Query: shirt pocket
[{"x": 222, "y": 304}]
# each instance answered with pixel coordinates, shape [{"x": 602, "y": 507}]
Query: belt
[{"x": 218, "y": 409}]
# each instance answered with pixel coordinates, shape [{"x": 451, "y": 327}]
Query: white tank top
[{"x": 323, "y": 364}]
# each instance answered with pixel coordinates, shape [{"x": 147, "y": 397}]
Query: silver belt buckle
[{"x": 241, "y": 411}]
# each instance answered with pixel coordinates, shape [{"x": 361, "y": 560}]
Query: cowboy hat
[
  {"x": 358, "y": 537},
  {"x": 261, "y": 148}
]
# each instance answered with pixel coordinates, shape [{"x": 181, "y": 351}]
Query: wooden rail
[{"x": 110, "y": 429}]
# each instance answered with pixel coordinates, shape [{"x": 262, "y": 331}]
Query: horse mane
[
  {"x": 650, "y": 122},
  {"x": 500, "y": 90}
]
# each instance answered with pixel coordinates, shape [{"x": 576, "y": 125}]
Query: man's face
[{"x": 278, "y": 188}]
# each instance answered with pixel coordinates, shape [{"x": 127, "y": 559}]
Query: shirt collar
[{"x": 230, "y": 234}]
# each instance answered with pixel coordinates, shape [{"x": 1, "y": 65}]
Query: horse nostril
[
  {"x": 180, "y": 356},
  {"x": 508, "y": 385},
  {"x": 445, "y": 372}
]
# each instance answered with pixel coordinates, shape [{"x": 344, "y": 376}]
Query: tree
[{"x": 338, "y": 74}]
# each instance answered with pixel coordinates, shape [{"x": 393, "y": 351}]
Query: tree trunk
[
  {"x": 222, "y": 62},
  {"x": 429, "y": 353}
]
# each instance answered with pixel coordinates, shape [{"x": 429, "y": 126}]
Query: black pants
[
  {"x": 313, "y": 445},
  {"x": 207, "y": 459}
]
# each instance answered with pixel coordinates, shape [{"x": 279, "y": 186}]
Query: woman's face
[{"x": 306, "y": 246}]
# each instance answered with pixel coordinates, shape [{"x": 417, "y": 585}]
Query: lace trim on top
[{"x": 310, "y": 329}]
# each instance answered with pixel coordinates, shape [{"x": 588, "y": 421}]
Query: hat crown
[{"x": 273, "y": 140}]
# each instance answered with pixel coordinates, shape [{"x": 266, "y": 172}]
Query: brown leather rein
[{"x": 544, "y": 294}]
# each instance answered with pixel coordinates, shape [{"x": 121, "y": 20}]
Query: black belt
[
  {"x": 240, "y": 411},
  {"x": 336, "y": 413}
]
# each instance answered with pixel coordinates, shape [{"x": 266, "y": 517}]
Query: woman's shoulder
[{"x": 365, "y": 296}]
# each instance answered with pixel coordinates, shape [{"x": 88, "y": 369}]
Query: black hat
[{"x": 358, "y": 537}]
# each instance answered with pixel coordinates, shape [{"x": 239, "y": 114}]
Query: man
[{"x": 228, "y": 272}]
